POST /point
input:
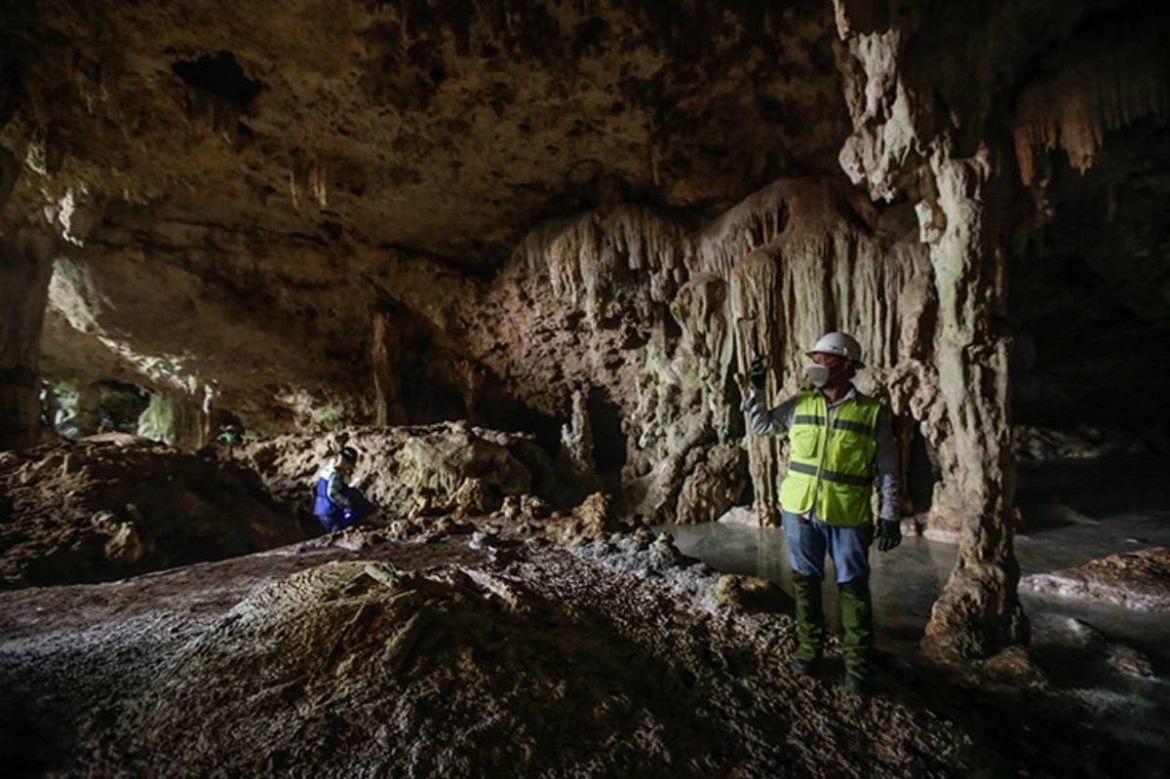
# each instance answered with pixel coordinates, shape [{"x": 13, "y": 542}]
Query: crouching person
[{"x": 335, "y": 504}]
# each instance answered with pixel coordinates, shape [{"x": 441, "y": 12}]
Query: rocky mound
[
  {"x": 114, "y": 506},
  {"x": 412, "y": 471},
  {"x": 544, "y": 663},
  {"x": 1135, "y": 580}
]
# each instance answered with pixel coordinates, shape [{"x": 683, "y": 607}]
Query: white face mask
[{"x": 816, "y": 375}]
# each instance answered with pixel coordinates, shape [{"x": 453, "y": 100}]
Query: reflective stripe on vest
[{"x": 830, "y": 467}]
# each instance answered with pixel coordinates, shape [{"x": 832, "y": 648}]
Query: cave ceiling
[
  {"x": 234, "y": 188},
  {"x": 445, "y": 128}
]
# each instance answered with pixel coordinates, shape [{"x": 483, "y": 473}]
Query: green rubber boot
[
  {"x": 857, "y": 642},
  {"x": 810, "y": 623}
]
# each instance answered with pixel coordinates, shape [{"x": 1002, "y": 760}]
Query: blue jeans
[{"x": 810, "y": 539}]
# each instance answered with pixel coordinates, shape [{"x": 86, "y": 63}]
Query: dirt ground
[{"x": 415, "y": 658}]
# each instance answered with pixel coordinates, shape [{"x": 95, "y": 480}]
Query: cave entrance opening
[
  {"x": 101, "y": 406},
  {"x": 609, "y": 441}
]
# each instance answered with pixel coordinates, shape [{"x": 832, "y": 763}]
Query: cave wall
[{"x": 632, "y": 306}]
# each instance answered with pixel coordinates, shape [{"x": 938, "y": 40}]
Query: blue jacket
[{"x": 330, "y": 494}]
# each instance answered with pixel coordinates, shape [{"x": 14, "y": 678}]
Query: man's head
[
  {"x": 839, "y": 353},
  {"x": 347, "y": 458}
]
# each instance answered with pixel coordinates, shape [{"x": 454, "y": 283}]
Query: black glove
[
  {"x": 758, "y": 373},
  {"x": 889, "y": 534}
]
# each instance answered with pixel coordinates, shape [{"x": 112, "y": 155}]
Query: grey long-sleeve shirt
[{"x": 765, "y": 421}]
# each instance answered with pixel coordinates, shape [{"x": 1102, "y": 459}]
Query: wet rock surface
[
  {"x": 432, "y": 659},
  {"x": 116, "y": 505},
  {"x": 1135, "y": 580},
  {"x": 1119, "y": 657}
]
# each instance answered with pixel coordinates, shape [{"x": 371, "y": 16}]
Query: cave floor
[
  {"x": 515, "y": 659},
  {"x": 86, "y": 670}
]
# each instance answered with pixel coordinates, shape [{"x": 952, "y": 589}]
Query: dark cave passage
[{"x": 220, "y": 75}]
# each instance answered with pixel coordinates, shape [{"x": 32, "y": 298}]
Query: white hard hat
[{"x": 840, "y": 344}]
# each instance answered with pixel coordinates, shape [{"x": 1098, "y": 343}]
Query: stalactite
[
  {"x": 834, "y": 276},
  {"x": 755, "y": 288},
  {"x": 836, "y": 272},
  {"x": 308, "y": 176},
  {"x": 587, "y": 259},
  {"x": 1098, "y": 88}
]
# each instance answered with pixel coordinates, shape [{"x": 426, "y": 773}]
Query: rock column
[
  {"x": 979, "y": 611},
  {"x": 902, "y": 145},
  {"x": 384, "y": 349},
  {"x": 25, "y": 268},
  {"x": 754, "y": 291}
]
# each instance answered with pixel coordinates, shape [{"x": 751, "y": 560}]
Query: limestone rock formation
[
  {"x": 24, "y": 280},
  {"x": 422, "y": 136},
  {"x": 750, "y": 594},
  {"x": 422, "y": 470},
  {"x": 924, "y": 132},
  {"x": 1119, "y": 657},
  {"x": 114, "y": 506},
  {"x": 1038, "y": 444}
]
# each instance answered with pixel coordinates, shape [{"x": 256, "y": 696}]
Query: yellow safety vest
[{"x": 830, "y": 467}]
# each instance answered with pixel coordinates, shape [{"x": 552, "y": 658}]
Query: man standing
[{"x": 838, "y": 439}]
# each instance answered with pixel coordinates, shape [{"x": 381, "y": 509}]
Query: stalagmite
[{"x": 577, "y": 437}]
